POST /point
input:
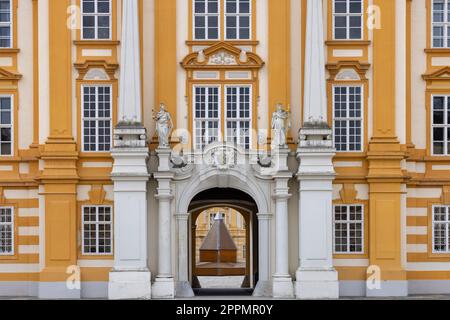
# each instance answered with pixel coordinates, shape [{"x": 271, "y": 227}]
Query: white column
[
  {"x": 130, "y": 277},
  {"x": 183, "y": 288},
  {"x": 282, "y": 280},
  {"x": 164, "y": 286},
  {"x": 315, "y": 278},
  {"x": 263, "y": 287}
]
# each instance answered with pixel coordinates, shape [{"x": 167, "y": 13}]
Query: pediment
[
  {"x": 222, "y": 55},
  {"x": 348, "y": 70},
  {"x": 96, "y": 70},
  {"x": 8, "y": 75},
  {"x": 441, "y": 74}
]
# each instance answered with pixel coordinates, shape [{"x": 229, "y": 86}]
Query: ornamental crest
[
  {"x": 222, "y": 58},
  {"x": 222, "y": 157}
]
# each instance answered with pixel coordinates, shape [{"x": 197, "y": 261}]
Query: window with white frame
[
  {"x": 440, "y": 125},
  {"x": 441, "y": 229},
  {"x": 206, "y": 19},
  {"x": 440, "y": 23},
  {"x": 348, "y": 229},
  {"x": 237, "y": 19},
  {"x": 348, "y": 19},
  {"x": 97, "y": 118},
  {"x": 238, "y": 116},
  {"x": 6, "y": 126},
  {"x": 6, "y": 18},
  {"x": 348, "y": 118},
  {"x": 6, "y": 231},
  {"x": 97, "y": 230},
  {"x": 96, "y": 19},
  {"x": 206, "y": 116}
]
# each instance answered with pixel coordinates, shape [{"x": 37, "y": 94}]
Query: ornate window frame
[{"x": 222, "y": 64}]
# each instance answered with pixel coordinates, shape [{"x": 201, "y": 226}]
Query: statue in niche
[
  {"x": 281, "y": 122},
  {"x": 164, "y": 126}
]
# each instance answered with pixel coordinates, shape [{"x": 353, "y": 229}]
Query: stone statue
[
  {"x": 281, "y": 122},
  {"x": 164, "y": 126}
]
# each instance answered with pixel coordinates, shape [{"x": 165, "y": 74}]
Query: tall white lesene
[
  {"x": 130, "y": 277},
  {"x": 315, "y": 95},
  {"x": 315, "y": 278},
  {"x": 130, "y": 100}
]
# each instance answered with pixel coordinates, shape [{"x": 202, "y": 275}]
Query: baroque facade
[{"x": 324, "y": 123}]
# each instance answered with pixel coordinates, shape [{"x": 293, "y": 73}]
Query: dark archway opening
[{"x": 229, "y": 204}]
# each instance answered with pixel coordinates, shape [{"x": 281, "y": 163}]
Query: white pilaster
[
  {"x": 264, "y": 286},
  {"x": 282, "y": 280},
  {"x": 315, "y": 94},
  {"x": 315, "y": 278},
  {"x": 130, "y": 277},
  {"x": 130, "y": 100},
  {"x": 183, "y": 288},
  {"x": 164, "y": 286}
]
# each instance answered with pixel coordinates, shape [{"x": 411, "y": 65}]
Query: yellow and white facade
[{"x": 91, "y": 206}]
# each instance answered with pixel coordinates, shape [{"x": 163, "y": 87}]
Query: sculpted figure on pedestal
[
  {"x": 281, "y": 122},
  {"x": 164, "y": 126}
]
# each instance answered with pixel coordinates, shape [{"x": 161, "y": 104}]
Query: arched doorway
[{"x": 235, "y": 203}]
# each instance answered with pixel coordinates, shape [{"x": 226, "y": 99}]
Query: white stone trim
[
  {"x": 28, "y": 231},
  {"x": 418, "y": 231}
]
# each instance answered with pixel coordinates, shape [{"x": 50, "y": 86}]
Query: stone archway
[
  {"x": 248, "y": 209},
  {"x": 256, "y": 191}
]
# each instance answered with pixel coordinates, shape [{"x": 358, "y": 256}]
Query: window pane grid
[
  {"x": 440, "y": 134},
  {"x": 6, "y": 126},
  {"x": 238, "y": 116},
  {"x": 96, "y": 19},
  {"x": 440, "y": 24},
  {"x": 6, "y": 231},
  {"x": 348, "y": 229},
  {"x": 238, "y": 19},
  {"x": 348, "y": 19},
  {"x": 441, "y": 229},
  {"x": 348, "y": 119},
  {"x": 97, "y": 119},
  {"x": 206, "y": 19},
  {"x": 5, "y": 24},
  {"x": 97, "y": 230},
  {"x": 206, "y": 116}
]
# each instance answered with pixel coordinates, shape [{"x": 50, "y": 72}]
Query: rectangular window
[
  {"x": 238, "y": 19},
  {"x": 97, "y": 230},
  {"x": 348, "y": 19},
  {"x": 96, "y": 19},
  {"x": 6, "y": 231},
  {"x": 348, "y": 229},
  {"x": 440, "y": 125},
  {"x": 238, "y": 116},
  {"x": 348, "y": 118},
  {"x": 441, "y": 229},
  {"x": 440, "y": 24},
  {"x": 6, "y": 126},
  {"x": 206, "y": 116},
  {"x": 96, "y": 118},
  {"x": 6, "y": 17},
  {"x": 206, "y": 19}
]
